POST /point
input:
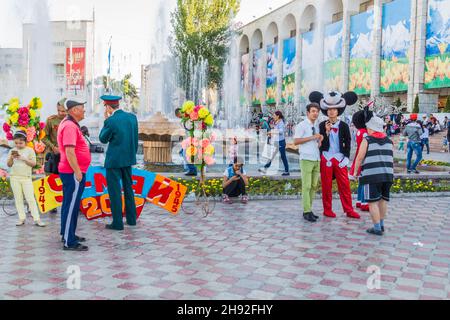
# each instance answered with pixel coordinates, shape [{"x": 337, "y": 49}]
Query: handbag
[
  {"x": 52, "y": 163},
  {"x": 269, "y": 151}
]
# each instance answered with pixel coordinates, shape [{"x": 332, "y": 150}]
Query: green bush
[{"x": 416, "y": 105}]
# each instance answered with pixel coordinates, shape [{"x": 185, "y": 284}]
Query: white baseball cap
[{"x": 376, "y": 124}]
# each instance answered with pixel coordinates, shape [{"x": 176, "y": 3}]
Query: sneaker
[
  {"x": 262, "y": 170},
  {"x": 20, "y": 223},
  {"x": 78, "y": 247},
  {"x": 416, "y": 172},
  {"x": 375, "y": 232},
  {"x": 408, "y": 171},
  {"x": 244, "y": 199},
  {"x": 315, "y": 217},
  {"x": 309, "y": 217},
  {"x": 382, "y": 229},
  {"x": 79, "y": 239},
  {"x": 226, "y": 199},
  {"x": 39, "y": 223},
  {"x": 54, "y": 211},
  {"x": 285, "y": 174}
]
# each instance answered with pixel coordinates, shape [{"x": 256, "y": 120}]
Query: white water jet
[
  {"x": 38, "y": 55},
  {"x": 234, "y": 114}
]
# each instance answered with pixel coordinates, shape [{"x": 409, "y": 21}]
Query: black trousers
[{"x": 235, "y": 188}]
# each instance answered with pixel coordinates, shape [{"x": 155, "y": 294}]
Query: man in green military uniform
[
  {"x": 120, "y": 131},
  {"x": 51, "y": 131}
]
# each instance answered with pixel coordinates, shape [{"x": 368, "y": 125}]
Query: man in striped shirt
[{"x": 376, "y": 155}]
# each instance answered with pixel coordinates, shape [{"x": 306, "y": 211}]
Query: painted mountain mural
[
  {"x": 333, "y": 56},
  {"x": 361, "y": 48},
  {"x": 437, "y": 60},
  {"x": 395, "y": 46}
]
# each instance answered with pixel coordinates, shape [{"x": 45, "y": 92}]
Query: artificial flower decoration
[
  {"x": 26, "y": 118},
  {"x": 197, "y": 119}
]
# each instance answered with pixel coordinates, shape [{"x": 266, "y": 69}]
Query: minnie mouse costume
[{"x": 335, "y": 151}]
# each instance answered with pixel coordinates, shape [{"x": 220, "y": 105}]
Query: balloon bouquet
[{"x": 199, "y": 151}]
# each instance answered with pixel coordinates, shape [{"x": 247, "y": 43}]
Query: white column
[
  {"x": 376, "y": 56},
  {"x": 412, "y": 55}
]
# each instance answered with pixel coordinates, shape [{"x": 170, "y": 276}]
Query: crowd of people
[
  {"x": 69, "y": 155},
  {"x": 324, "y": 153}
]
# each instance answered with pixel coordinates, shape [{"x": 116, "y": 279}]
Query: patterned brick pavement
[{"x": 262, "y": 251}]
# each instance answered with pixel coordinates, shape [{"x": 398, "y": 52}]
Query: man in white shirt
[{"x": 307, "y": 136}]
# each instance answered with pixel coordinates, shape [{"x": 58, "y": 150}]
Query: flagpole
[
  {"x": 93, "y": 62},
  {"x": 108, "y": 79}
]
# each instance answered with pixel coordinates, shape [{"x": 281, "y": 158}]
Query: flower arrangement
[
  {"x": 198, "y": 146},
  {"x": 197, "y": 120},
  {"x": 26, "y": 118}
]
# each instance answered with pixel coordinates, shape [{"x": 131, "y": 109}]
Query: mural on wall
[
  {"x": 271, "y": 73},
  {"x": 257, "y": 77},
  {"x": 361, "y": 48},
  {"x": 245, "y": 59},
  {"x": 395, "y": 46},
  {"x": 308, "y": 57},
  {"x": 289, "y": 63},
  {"x": 333, "y": 56},
  {"x": 437, "y": 60}
]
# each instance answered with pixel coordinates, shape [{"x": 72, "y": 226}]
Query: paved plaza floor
[{"x": 261, "y": 251}]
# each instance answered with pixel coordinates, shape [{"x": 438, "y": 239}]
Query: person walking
[
  {"x": 120, "y": 132},
  {"x": 413, "y": 131},
  {"x": 377, "y": 175},
  {"x": 309, "y": 139},
  {"x": 74, "y": 163},
  {"x": 278, "y": 136},
  {"x": 425, "y": 138},
  {"x": 51, "y": 140}
]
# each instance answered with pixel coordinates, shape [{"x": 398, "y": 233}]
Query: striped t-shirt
[{"x": 378, "y": 165}]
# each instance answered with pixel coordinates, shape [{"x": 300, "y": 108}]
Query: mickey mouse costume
[{"x": 335, "y": 151}]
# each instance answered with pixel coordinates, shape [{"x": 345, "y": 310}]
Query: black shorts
[{"x": 377, "y": 191}]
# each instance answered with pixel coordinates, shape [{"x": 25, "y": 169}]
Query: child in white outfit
[{"x": 21, "y": 160}]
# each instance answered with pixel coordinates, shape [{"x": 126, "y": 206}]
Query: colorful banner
[
  {"x": 245, "y": 90},
  {"x": 289, "y": 64},
  {"x": 361, "y": 48},
  {"x": 75, "y": 68},
  {"x": 147, "y": 187},
  {"x": 333, "y": 56},
  {"x": 271, "y": 73},
  {"x": 395, "y": 46},
  {"x": 257, "y": 77},
  {"x": 437, "y": 59},
  {"x": 307, "y": 72}
]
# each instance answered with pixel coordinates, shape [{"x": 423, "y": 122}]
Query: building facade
[
  {"x": 11, "y": 66},
  {"x": 71, "y": 55},
  {"x": 396, "y": 49}
]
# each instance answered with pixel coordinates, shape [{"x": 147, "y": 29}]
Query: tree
[
  {"x": 416, "y": 105},
  {"x": 128, "y": 90},
  {"x": 201, "y": 32},
  {"x": 447, "y": 105}
]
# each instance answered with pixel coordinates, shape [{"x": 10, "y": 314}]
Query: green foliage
[
  {"x": 128, "y": 89},
  {"x": 447, "y": 105},
  {"x": 416, "y": 105},
  {"x": 398, "y": 103},
  {"x": 201, "y": 30}
]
